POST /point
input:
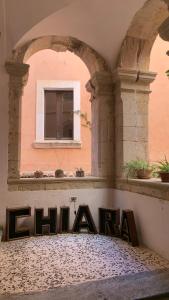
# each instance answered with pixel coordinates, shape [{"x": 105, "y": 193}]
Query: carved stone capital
[
  {"x": 129, "y": 75},
  {"x": 133, "y": 80},
  {"x": 17, "y": 69},
  {"x": 101, "y": 84}
]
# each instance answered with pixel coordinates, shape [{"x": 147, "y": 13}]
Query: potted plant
[
  {"x": 38, "y": 174},
  {"x": 59, "y": 173},
  {"x": 80, "y": 172},
  {"x": 139, "y": 168},
  {"x": 163, "y": 170}
]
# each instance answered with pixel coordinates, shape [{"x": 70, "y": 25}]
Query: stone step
[{"x": 145, "y": 285}]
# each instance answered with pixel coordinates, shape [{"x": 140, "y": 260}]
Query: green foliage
[
  {"x": 163, "y": 165},
  {"x": 132, "y": 166},
  {"x": 167, "y": 73},
  {"x": 155, "y": 172},
  {"x": 84, "y": 117}
]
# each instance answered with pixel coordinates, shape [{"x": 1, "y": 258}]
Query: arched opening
[
  {"x": 133, "y": 74},
  {"x": 140, "y": 37},
  {"x": 99, "y": 85},
  {"x": 158, "y": 103},
  {"x": 55, "y": 115}
]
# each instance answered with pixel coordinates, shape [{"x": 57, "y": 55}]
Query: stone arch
[
  {"x": 100, "y": 86},
  {"x": 132, "y": 79},
  {"x": 93, "y": 61},
  {"x": 137, "y": 45}
]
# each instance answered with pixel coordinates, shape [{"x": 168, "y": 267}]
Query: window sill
[
  {"x": 36, "y": 184},
  {"x": 55, "y": 144},
  {"x": 149, "y": 187}
]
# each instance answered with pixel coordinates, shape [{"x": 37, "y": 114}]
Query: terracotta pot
[
  {"x": 164, "y": 176},
  {"x": 38, "y": 174},
  {"x": 144, "y": 173}
]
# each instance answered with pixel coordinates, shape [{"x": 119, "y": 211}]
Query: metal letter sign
[
  {"x": 109, "y": 222},
  {"x": 87, "y": 223}
]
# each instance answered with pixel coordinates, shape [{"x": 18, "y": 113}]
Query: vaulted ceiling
[{"x": 102, "y": 24}]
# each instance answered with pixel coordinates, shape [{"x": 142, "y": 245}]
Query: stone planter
[
  {"x": 164, "y": 176},
  {"x": 144, "y": 174}
]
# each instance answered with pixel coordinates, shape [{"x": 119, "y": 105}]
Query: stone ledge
[
  {"x": 150, "y": 187},
  {"x": 56, "y": 144},
  {"x": 36, "y": 184}
]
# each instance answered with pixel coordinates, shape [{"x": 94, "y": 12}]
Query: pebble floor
[{"x": 41, "y": 263}]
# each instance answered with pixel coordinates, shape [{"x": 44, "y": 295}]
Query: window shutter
[{"x": 58, "y": 114}]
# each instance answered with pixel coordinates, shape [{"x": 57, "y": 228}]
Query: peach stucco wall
[
  {"x": 159, "y": 103},
  {"x": 49, "y": 65}
]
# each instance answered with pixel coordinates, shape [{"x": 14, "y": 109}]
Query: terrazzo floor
[{"x": 41, "y": 263}]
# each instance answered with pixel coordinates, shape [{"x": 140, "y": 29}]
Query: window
[{"x": 58, "y": 113}]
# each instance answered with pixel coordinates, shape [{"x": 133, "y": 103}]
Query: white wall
[
  {"x": 45, "y": 199},
  {"x": 151, "y": 216}
]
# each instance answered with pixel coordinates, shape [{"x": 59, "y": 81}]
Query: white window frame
[{"x": 59, "y": 85}]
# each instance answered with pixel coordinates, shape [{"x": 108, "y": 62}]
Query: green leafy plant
[
  {"x": 163, "y": 166},
  {"x": 167, "y": 73},
  {"x": 163, "y": 169},
  {"x": 132, "y": 167}
]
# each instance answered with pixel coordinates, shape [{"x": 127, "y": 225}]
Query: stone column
[
  {"x": 131, "y": 115},
  {"x": 18, "y": 74},
  {"x": 102, "y": 107}
]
